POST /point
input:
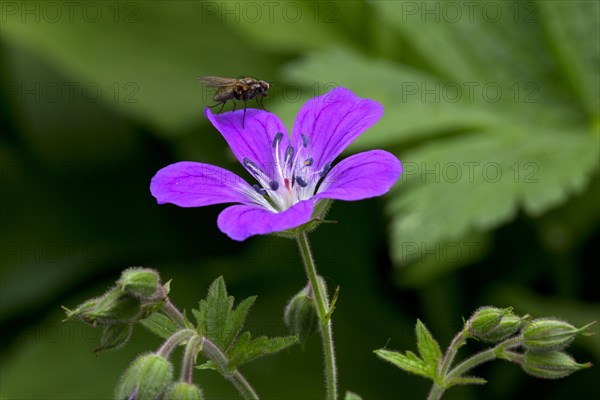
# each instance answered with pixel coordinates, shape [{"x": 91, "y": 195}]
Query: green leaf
[
  {"x": 352, "y": 396},
  {"x": 477, "y": 46},
  {"x": 397, "y": 87},
  {"x": 236, "y": 319},
  {"x": 409, "y": 362},
  {"x": 247, "y": 349},
  {"x": 465, "y": 380},
  {"x": 160, "y": 325},
  {"x": 162, "y": 93},
  {"x": 484, "y": 179},
  {"x": 215, "y": 317},
  {"x": 574, "y": 28},
  {"x": 428, "y": 348}
]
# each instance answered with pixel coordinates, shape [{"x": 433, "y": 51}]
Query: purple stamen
[
  {"x": 325, "y": 170},
  {"x": 259, "y": 190},
  {"x": 308, "y": 162},
  {"x": 301, "y": 182},
  {"x": 253, "y": 167},
  {"x": 277, "y": 139},
  {"x": 274, "y": 185},
  {"x": 304, "y": 140},
  {"x": 289, "y": 154}
]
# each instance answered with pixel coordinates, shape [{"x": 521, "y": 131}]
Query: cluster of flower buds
[
  {"x": 136, "y": 295},
  {"x": 148, "y": 376},
  {"x": 491, "y": 324},
  {"x": 543, "y": 340}
]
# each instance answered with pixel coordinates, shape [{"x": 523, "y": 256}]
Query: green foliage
[
  {"x": 428, "y": 349},
  {"x": 247, "y": 349},
  {"x": 541, "y": 361},
  {"x": 218, "y": 321},
  {"x": 409, "y": 361},
  {"x": 160, "y": 325},
  {"x": 216, "y": 318},
  {"x": 527, "y": 147}
]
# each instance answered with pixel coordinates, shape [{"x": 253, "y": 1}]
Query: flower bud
[
  {"x": 184, "y": 391},
  {"x": 301, "y": 316},
  {"x": 83, "y": 311},
  {"x": 143, "y": 283},
  {"x": 546, "y": 334},
  {"x": 115, "y": 307},
  {"x": 551, "y": 364},
  {"x": 508, "y": 326},
  {"x": 485, "y": 320},
  {"x": 145, "y": 379}
]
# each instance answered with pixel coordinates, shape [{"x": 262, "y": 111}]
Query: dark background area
[{"x": 492, "y": 108}]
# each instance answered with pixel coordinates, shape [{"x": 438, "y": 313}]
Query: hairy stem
[
  {"x": 173, "y": 341},
  {"x": 173, "y": 313},
  {"x": 324, "y": 319},
  {"x": 498, "y": 351},
  {"x": 189, "y": 358},
  {"x": 235, "y": 377}
]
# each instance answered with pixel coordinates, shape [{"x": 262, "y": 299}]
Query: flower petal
[
  {"x": 242, "y": 221},
  {"x": 255, "y": 139},
  {"x": 331, "y": 122},
  {"x": 192, "y": 184},
  {"x": 363, "y": 175}
]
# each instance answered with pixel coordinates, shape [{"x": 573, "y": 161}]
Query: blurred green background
[{"x": 493, "y": 107}]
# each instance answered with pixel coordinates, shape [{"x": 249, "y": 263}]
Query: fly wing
[{"x": 215, "y": 81}]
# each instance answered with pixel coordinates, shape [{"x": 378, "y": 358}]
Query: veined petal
[
  {"x": 192, "y": 184},
  {"x": 242, "y": 221},
  {"x": 255, "y": 140},
  {"x": 363, "y": 175},
  {"x": 331, "y": 122}
]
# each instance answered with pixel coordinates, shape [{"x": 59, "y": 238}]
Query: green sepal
[
  {"x": 548, "y": 334},
  {"x": 183, "y": 391},
  {"x": 318, "y": 217},
  {"x": 485, "y": 320},
  {"x": 300, "y": 315},
  {"x": 114, "y": 337},
  {"x": 428, "y": 349},
  {"x": 160, "y": 325},
  {"x": 551, "y": 364},
  {"x": 116, "y": 307},
  {"x": 247, "y": 349},
  {"x": 408, "y": 362},
  {"x": 143, "y": 283},
  {"x": 148, "y": 376},
  {"x": 352, "y": 396}
]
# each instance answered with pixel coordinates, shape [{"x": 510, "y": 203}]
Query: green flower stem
[
  {"x": 324, "y": 319},
  {"x": 457, "y": 342},
  {"x": 498, "y": 351},
  {"x": 189, "y": 358},
  {"x": 173, "y": 313},
  {"x": 436, "y": 392},
  {"x": 175, "y": 340},
  {"x": 235, "y": 377}
]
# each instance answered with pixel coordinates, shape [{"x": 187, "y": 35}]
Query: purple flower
[{"x": 293, "y": 175}]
